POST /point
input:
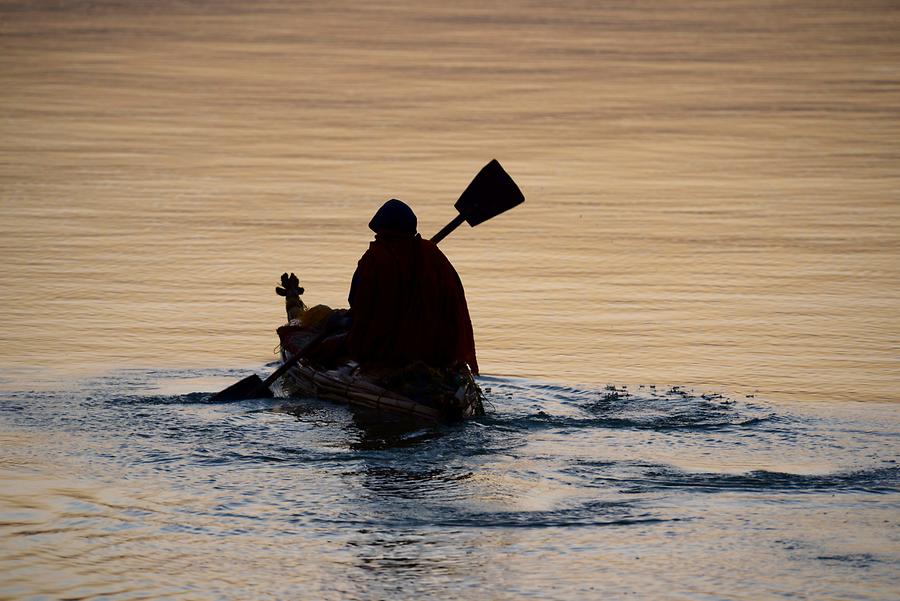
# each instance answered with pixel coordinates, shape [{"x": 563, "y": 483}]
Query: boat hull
[{"x": 418, "y": 392}]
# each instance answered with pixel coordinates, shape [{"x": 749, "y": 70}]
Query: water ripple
[{"x": 118, "y": 477}]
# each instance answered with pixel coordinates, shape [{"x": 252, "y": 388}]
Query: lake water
[{"x": 690, "y": 330}]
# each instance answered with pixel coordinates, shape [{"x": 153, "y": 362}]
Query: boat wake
[
  {"x": 548, "y": 468},
  {"x": 647, "y": 408}
]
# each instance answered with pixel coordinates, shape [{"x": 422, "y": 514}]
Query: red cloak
[{"x": 408, "y": 304}]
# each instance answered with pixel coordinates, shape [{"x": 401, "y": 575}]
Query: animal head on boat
[{"x": 291, "y": 290}]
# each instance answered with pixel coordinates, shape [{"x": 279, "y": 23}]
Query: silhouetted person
[{"x": 407, "y": 300}]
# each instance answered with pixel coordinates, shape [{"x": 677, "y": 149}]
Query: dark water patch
[
  {"x": 533, "y": 520},
  {"x": 589, "y": 514},
  {"x": 191, "y": 398},
  {"x": 877, "y": 480},
  {"x": 835, "y": 559},
  {"x": 645, "y": 418},
  {"x": 158, "y": 457},
  {"x": 410, "y": 483},
  {"x": 232, "y": 457},
  {"x": 408, "y": 514},
  {"x": 855, "y": 560},
  {"x": 378, "y": 441}
]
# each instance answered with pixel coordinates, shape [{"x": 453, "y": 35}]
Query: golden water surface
[
  {"x": 713, "y": 203},
  {"x": 713, "y": 195}
]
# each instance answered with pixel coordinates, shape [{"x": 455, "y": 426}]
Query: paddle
[
  {"x": 490, "y": 193},
  {"x": 253, "y": 387}
]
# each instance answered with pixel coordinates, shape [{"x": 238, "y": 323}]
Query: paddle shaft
[
  {"x": 295, "y": 358},
  {"x": 447, "y": 229}
]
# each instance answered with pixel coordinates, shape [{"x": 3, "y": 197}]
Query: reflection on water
[
  {"x": 712, "y": 208},
  {"x": 559, "y": 491},
  {"x": 711, "y": 188}
]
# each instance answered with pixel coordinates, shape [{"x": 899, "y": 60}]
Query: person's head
[{"x": 394, "y": 218}]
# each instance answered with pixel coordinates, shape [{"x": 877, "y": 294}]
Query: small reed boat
[
  {"x": 415, "y": 390},
  {"x": 418, "y": 390}
]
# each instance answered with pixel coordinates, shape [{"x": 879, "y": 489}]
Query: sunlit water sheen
[
  {"x": 712, "y": 208},
  {"x": 559, "y": 492}
]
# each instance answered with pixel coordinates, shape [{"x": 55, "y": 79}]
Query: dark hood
[{"x": 394, "y": 217}]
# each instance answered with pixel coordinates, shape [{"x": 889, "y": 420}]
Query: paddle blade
[
  {"x": 251, "y": 387},
  {"x": 492, "y": 192}
]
